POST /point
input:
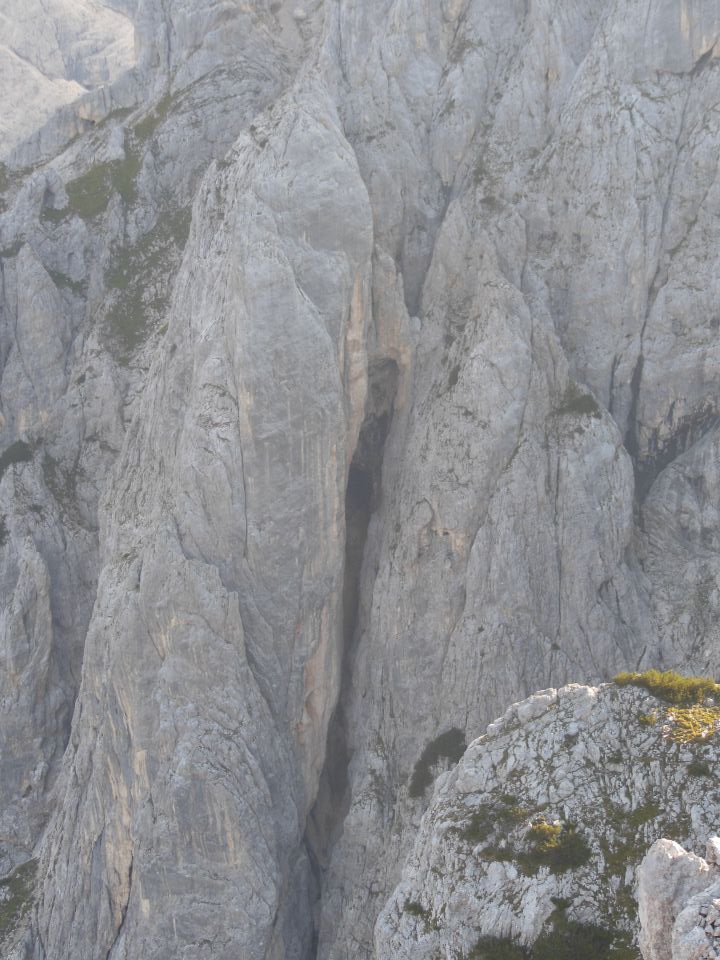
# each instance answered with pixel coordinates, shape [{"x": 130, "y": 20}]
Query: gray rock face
[
  {"x": 51, "y": 53},
  {"x": 86, "y": 281},
  {"x": 678, "y": 897},
  {"x": 201, "y": 574},
  {"x": 358, "y": 377}
]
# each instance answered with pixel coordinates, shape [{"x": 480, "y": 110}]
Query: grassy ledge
[{"x": 692, "y": 715}]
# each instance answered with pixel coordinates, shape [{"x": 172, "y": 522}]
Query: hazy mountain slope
[{"x": 53, "y": 51}]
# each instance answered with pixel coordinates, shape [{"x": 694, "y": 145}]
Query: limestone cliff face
[
  {"x": 358, "y": 377},
  {"x": 52, "y": 52}
]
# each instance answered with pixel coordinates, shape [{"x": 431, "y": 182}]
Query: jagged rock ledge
[{"x": 531, "y": 845}]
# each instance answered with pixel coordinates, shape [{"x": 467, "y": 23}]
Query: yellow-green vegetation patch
[
  {"x": 556, "y": 845},
  {"x": 670, "y": 686},
  {"x": 15, "y": 896},
  {"x": 690, "y": 718},
  {"x": 545, "y": 836},
  {"x": 693, "y": 724}
]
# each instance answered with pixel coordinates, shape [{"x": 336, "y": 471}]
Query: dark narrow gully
[
  {"x": 362, "y": 499},
  {"x": 662, "y": 451}
]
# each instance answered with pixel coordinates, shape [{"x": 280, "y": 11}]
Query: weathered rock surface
[
  {"x": 51, "y": 53},
  {"x": 358, "y": 377},
  {"x": 679, "y": 898},
  {"x": 539, "y": 831}
]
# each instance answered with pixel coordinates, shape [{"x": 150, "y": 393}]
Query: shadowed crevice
[{"x": 363, "y": 497}]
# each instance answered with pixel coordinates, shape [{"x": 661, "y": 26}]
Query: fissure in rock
[{"x": 362, "y": 499}]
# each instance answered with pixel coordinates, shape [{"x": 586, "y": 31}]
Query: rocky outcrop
[
  {"x": 534, "y": 842},
  {"x": 358, "y": 378},
  {"x": 679, "y": 899},
  {"x": 52, "y": 53}
]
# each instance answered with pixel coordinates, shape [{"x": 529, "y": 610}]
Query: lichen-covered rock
[{"x": 536, "y": 837}]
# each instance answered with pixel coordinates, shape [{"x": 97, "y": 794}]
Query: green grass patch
[
  {"x": 699, "y": 768},
  {"x": 90, "y": 193},
  {"x": 146, "y": 127},
  {"x": 498, "y": 948},
  {"x": 567, "y": 940},
  {"x": 447, "y": 746},
  {"x": 693, "y": 724},
  {"x": 416, "y": 909},
  {"x": 670, "y": 686},
  {"x": 52, "y": 215},
  {"x": 138, "y": 277},
  {"x": 643, "y": 814},
  {"x": 576, "y": 403},
  {"x": 486, "y": 818},
  {"x": 499, "y": 854},
  {"x": 18, "y": 892},
  {"x": 571, "y": 940},
  {"x": 555, "y": 845},
  {"x": 4, "y": 185},
  {"x": 116, "y": 115}
]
